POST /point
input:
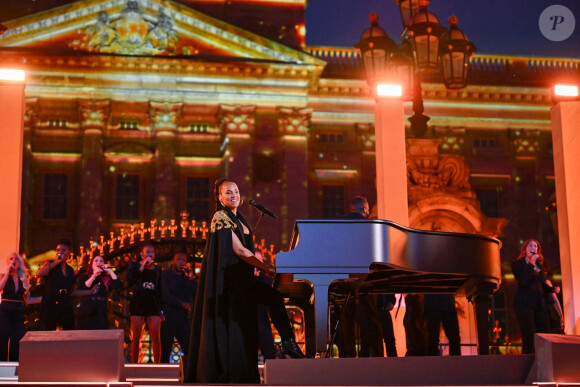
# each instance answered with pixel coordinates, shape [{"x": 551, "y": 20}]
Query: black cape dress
[{"x": 224, "y": 345}]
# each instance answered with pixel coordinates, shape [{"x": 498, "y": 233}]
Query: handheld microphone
[{"x": 262, "y": 209}]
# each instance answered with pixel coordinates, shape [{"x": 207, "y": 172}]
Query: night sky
[{"x": 500, "y": 27}]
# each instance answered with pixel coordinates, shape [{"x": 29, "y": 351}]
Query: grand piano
[{"x": 379, "y": 256}]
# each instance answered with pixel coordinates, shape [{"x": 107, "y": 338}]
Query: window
[
  {"x": 198, "y": 128},
  {"x": 489, "y": 201},
  {"x": 330, "y": 138},
  {"x": 484, "y": 142},
  {"x": 54, "y": 196},
  {"x": 197, "y": 197},
  {"x": 56, "y": 123},
  {"x": 127, "y": 192},
  {"x": 332, "y": 201},
  {"x": 129, "y": 125}
]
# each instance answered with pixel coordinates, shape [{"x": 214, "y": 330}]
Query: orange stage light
[
  {"x": 566, "y": 90},
  {"x": 12, "y": 75},
  {"x": 387, "y": 90}
]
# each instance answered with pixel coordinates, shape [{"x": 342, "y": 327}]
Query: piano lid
[{"x": 351, "y": 246}]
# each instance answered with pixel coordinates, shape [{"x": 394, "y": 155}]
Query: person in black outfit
[
  {"x": 56, "y": 308},
  {"x": 386, "y": 303},
  {"x": 224, "y": 344},
  {"x": 439, "y": 310},
  {"x": 99, "y": 278},
  {"x": 530, "y": 300},
  {"x": 266, "y": 342},
  {"x": 179, "y": 288},
  {"x": 146, "y": 303},
  {"x": 14, "y": 286},
  {"x": 362, "y": 308}
]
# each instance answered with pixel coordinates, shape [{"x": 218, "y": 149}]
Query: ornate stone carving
[
  {"x": 526, "y": 143},
  {"x": 164, "y": 115},
  {"x": 294, "y": 121},
  {"x": 93, "y": 113},
  {"x": 237, "y": 119},
  {"x": 427, "y": 169},
  {"x": 131, "y": 33},
  {"x": 440, "y": 196},
  {"x": 366, "y": 136},
  {"x": 452, "y": 139},
  {"x": 31, "y": 112}
]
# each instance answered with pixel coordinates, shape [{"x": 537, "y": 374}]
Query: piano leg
[
  {"x": 481, "y": 302},
  {"x": 320, "y": 283}
]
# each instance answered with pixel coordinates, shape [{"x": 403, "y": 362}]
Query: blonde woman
[{"x": 14, "y": 286}]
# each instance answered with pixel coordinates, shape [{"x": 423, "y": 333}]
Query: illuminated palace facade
[{"x": 134, "y": 108}]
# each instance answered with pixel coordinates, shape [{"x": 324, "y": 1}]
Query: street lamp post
[
  {"x": 426, "y": 45},
  {"x": 376, "y": 50}
]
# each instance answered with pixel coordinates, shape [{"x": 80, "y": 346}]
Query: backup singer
[
  {"x": 224, "y": 342},
  {"x": 179, "y": 287},
  {"x": 145, "y": 306},
  {"x": 56, "y": 308},
  {"x": 14, "y": 286},
  {"x": 91, "y": 312},
  {"x": 530, "y": 300}
]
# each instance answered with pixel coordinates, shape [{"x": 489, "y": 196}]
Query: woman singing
[
  {"x": 92, "y": 309},
  {"x": 530, "y": 300},
  {"x": 145, "y": 306},
  {"x": 14, "y": 286},
  {"x": 224, "y": 343}
]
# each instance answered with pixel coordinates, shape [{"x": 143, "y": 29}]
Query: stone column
[
  {"x": 237, "y": 123},
  {"x": 12, "y": 107},
  {"x": 293, "y": 125},
  {"x": 165, "y": 120},
  {"x": 94, "y": 115},
  {"x": 28, "y": 203},
  {"x": 391, "y": 161},
  {"x": 566, "y": 143},
  {"x": 366, "y": 138}
]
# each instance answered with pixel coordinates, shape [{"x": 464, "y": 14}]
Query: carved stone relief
[
  {"x": 294, "y": 121},
  {"x": 237, "y": 119},
  {"x": 440, "y": 196}
]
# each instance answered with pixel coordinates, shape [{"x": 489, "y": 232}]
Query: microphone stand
[{"x": 259, "y": 219}]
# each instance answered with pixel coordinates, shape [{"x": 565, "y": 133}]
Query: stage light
[
  {"x": 566, "y": 90},
  {"x": 387, "y": 90},
  {"x": 11, "y": 75}
]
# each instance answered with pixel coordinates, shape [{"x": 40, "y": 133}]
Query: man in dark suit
[
  {"x": 362, "y": 308},
  {"x": 439, "y": 309}
]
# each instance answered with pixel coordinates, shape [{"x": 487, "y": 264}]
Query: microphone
[{"x": 262, "y": 209}]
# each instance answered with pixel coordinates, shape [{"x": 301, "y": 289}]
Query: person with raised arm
[
  {"x": 91, "y": 311},
  {"x": 530, "y": 271},
  {"x": 146, "y": 304}
]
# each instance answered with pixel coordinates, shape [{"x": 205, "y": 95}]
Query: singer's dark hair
[
  {"x": 358, "y": 203},
  {"x": 541, "y": 261},
  {"x": 106, "y": 280},
  {"x": 218, "y": 184},
  {"x": 145, "y": 244},
  {"x": 65, "y": 242}
]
